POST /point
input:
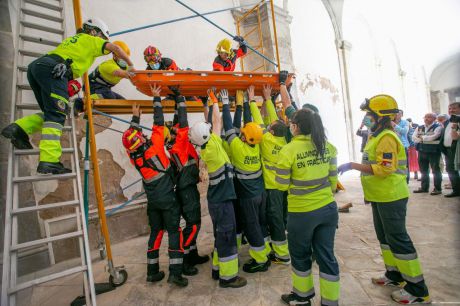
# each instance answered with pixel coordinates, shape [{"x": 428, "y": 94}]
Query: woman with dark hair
[
  {"x": 307, "y": 169},
  {"x": 383, "y": 177}
]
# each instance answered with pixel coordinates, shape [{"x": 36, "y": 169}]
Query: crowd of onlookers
[{"x": 431, "y": 145}]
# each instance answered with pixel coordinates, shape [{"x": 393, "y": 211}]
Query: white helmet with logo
[
  {"x": 199, "y": 133},
  {"x": 99, "y": 25}
]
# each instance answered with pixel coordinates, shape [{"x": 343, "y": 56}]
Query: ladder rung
[
  {"x": 39, "y": 40},
  {"x": 16, "y": 247},
  {"x": 41, "y": 15},
  {"x": 31, "y": 106},
  {"x": 43, "y": 207},
  {"x": 22, "y": 68},
  {"x": 24, "y": 86},
  {"x": 37, "y": 178},
  {"x": 45, "y": 5},
  {"x": 42, "y": 28},
  {"x": 37, "y": 151},
  {"x": 30, "y": 53},
  {"x": 46, "y": 278}
]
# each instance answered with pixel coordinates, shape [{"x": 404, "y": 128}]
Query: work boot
[
  {"x": 193, "y": 258},
  {"x": 189, "y": 270},
  {"x": 18, "y": 136},
  {"x": 294, "y": 299},
  {"x": 385, "y": 281},
  {"x": 52, "y": 168},
  {"x": 403, "y": 297},
  {"x": 238, "y": 282},
  {"x": 153, "y": 278},
  {"x": 252, "y": 266},
  {"x": 179, "y": 280},
  {"x": 279, "y": 261}
]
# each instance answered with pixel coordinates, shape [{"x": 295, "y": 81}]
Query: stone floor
[{"x": 433, "y": 223}]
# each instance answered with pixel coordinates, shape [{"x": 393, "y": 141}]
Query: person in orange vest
[
  {"x": 186, "y": 162},
  {"x": 150, "y": 159},
  {"x": 226, "y": 56}
]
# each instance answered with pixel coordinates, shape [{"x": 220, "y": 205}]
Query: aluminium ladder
[{"x": 41, "y": 26}]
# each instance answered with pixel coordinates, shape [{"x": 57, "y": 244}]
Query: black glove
[
  {"x": 283, "y": 77},
  {"x": 79, "y": 105},
  {"x": 204, "y": 99},
  {"x": 175, "y": 90},
  {"x": 239, "y": 39}
]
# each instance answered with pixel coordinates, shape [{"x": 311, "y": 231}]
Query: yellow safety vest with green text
[
  {"x": 82, "y": 49},
  {"x": 309, "y": 178}
]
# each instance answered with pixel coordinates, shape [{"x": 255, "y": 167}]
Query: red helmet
[
  {"x": 132, "y": 139},
  {"x": 152, "y": 54}
]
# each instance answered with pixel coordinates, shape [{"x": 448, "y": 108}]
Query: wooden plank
[{"x": 124, "y": 106}]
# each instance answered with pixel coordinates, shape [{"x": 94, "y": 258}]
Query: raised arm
[
  {"x": 216, "y": 124},
  {"x": 255, "y": 112},
  {"x": 269, "y": 104},
  {"x": 238, "y": 109}
]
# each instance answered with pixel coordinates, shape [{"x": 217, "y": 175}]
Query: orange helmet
[
  {"x": 252, "y": 132},
  {"x": 123, "y": 46},
  {"x": 132, "y": 139},
  {"x": 152, "y": 54}
]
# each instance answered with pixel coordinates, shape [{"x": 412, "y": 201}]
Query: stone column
[{"x": 343, "y": 51}]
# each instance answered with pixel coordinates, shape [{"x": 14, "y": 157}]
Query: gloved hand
[
  {"x": 283, "y": 77},
  {"x": 239, "y": 39},
  {"x": 78, "y": 106},
  {"x": 204, "y": 100},
  {"x": 73, "y": 87},
  {"x": 224, "y": 96},
  {"x": 175, "y": 90},
  {"x": 239, "y": 97},
  {"x": 212, "y": 95},
  {"x": 59, "y": 71},
  {"x": 344, "y": 168}
]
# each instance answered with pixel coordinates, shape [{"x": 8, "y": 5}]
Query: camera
[{"x": 455, "y": 119}]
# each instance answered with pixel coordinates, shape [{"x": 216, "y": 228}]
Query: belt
[{"x": 56, "y": 57}]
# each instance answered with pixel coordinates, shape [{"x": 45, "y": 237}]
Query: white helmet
[
  {"x": 199, "y": 133},
  {"x": 98, "y": 24}
]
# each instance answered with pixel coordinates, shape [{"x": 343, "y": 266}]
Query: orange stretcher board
[
  {"x": 121, "y": 107},
  {"x": 196, "y": 83}
]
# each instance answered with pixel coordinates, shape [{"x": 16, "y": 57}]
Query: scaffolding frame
[{"x": 118, "y": 275}]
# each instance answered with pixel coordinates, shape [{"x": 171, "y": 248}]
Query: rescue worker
[
  {"x": 186, "y": 162},
  {"x": 155, "y": 61},
  {"x": 273, "y": 140},
  {"x": 245, "y": 157},
  {"x": 383, "y": 177},
  {"x": 109, "y": 74},
  {"x": 307, "y": 168},
  {"x": 220, "y": 194},
  {"x": 226, "y": 56},
  {"x": 163, "y": 211},
  {"x": 48, "y": 76},
  {"x": 237, "y": 126}
]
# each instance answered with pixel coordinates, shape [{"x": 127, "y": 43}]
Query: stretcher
[{"x": 196, "y": 83}]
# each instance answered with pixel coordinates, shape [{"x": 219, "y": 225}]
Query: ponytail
[{"x": 310, "y": 123}]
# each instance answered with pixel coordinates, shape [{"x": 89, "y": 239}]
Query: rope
[
  {"x": 178, "y": 19},
  {"x": 118, "y": 119},
  {"x": 113, "y": 210}
]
